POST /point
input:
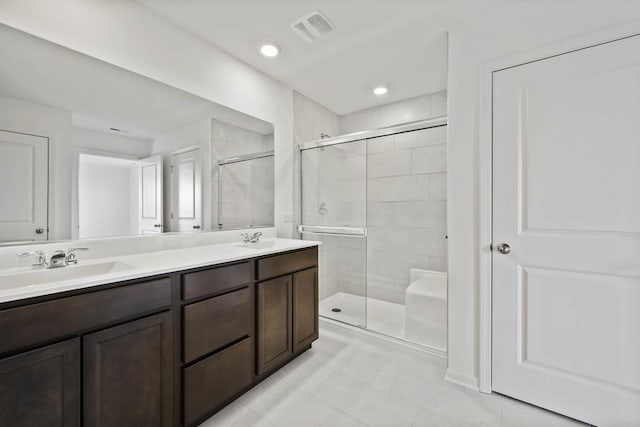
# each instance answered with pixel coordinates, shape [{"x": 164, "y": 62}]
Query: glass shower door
[{"x": 334, "y": 211}]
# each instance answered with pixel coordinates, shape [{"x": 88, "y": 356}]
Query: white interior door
[
  {"x": 566, "y": 299},
  {"x": 186, "y": 169},
  {"x": 24, "y": 190},
  {"x": 150, "y": 173}
]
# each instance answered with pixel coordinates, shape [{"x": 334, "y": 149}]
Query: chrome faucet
[
  {"x": 251, "y": 238},
  {"x": 59, "y": 258}
]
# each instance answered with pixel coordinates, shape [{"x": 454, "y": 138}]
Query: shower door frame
[{"x": 434, "y": 122}]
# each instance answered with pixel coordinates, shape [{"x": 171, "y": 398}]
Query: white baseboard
[
  {"x": 462, "y": 380},
  {"x": 425, "y": 349}
]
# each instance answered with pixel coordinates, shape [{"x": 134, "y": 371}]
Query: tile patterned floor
[{"x": 352, "y": 379}]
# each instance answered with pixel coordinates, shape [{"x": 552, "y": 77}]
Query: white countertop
[{"x": 133, "y": 266}]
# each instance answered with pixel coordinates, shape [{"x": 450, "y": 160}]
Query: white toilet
[{"x": 426, "y": 309}]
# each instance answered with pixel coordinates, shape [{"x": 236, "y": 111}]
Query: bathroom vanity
[{"x": 165, "y": 349}]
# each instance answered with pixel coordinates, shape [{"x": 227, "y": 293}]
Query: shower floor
[{"x": 382, "y": 316}]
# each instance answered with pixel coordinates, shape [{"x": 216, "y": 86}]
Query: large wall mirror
[{"x": 90, "y": 150}]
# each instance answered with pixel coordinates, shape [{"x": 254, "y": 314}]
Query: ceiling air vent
[{"x": 313, "y": 26}]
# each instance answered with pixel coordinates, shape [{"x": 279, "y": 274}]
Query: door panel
[
  {"x": 305, "y": 308},
  {"x": 566, "y": 329},
  {"x": 151, "y": 217},
  {"x": 24, "y": 172},
  {"x": 128, "y": 374},
  {"x": 274, "y": 323},
  {"x": 187, "y": 190},
  {"x": 41, "y": 388}
]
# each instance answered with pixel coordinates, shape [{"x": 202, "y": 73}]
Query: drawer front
[
  {"x": 279, "y": 265},
  {"x": 214, "y": 280},
  {"x": 31, "y": 324},
  {"x": 211, "y": 382},
  {"x": 216, "y": 322}
]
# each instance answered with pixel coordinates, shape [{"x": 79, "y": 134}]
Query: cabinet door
[
  {"x": 127, "y": 374},
  {"x": 41, "y": 387},
  {"x": 274, "y": 323},
  {"x": 305, "y": 308}
]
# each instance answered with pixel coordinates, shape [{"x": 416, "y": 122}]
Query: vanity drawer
[
  {"x": 31, "y": 324},
  {"x": 279, "y": 265},
  {"x": 214, "y": 280},
  {"x": 211, "y": 382},
  {"x": 216, "y": 322}
]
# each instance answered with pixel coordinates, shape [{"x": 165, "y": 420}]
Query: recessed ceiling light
[
  {"x": 269, "y": 49},
  {"x": 380, "y": 90}
]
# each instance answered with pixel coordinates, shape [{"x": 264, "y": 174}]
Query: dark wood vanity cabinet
[
  {"x": 41, "y": 388},
  {"x": 287, "y": 307},
  {"x": 110, "y": 354},
  {"x": 163, "y": 351}
]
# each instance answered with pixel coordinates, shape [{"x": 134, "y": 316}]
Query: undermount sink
[
  {"x": 259, "y": 245},
  {"x": 43, "y": 276}
]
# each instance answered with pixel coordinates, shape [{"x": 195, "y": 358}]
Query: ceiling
[
  {"x": 100, "y": 95},
  {"x": 398, "y": 43}
]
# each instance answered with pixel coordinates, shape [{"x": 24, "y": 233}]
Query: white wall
[
  {"x": 514, "y": 33},
  {"x": 108, "y": 197},
  {"x": 407, "y": 110},
  {"x": 91, "y": 139},
  {"x": 55, "y": 124},
  {"x": 97, "y": 142},
  {"x": 150, "y": 46}
]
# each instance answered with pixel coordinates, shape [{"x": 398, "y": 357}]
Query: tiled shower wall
[
  {"x": 310, "y": 120},
  {"x": 406, "y": 199},
  {"x": 404, "y": 193}
]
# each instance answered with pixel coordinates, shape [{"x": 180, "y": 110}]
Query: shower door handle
[{"x": 333, "y": 231}]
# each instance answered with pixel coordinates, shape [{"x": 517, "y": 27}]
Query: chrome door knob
[
  {"x": 503, "y": 248},
  {"x": 157, "y": 225},
  {"x": 39, "y": 230},
  {"x": 196, "y": 227}
]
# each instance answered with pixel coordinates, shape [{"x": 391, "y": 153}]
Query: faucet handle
[
  {"x": 71, "y": 256},
  {"x": 26, "y": 254},
  {"x": 42, "y": 259}
]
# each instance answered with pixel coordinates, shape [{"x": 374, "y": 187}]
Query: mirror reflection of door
[
  {"x": 186, "y": 175},
  {"x": 24, "y": 193},
  {"x": 150, "y": 173}
]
